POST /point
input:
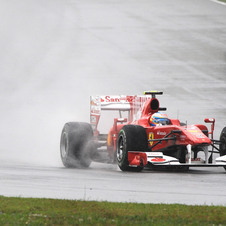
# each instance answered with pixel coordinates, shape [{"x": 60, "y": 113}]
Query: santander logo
[
  {"x": 117, "y": 99},
  {"x": 156, "y": 159}
]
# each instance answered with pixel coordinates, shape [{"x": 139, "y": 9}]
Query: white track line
[{"x": 219, "y": 2}]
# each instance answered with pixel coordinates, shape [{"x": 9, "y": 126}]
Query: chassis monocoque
[{"x": 134, "y": 144}]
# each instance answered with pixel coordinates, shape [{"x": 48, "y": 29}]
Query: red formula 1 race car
[{"x": 140, "y": 136}]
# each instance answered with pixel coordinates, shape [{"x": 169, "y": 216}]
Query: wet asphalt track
[
  {"x": 106, "y": 182},
  {"x": 55, "y": 54}
]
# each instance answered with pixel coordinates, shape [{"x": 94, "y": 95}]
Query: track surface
[
  {"x": 106, "y": 182},
  {"x": 55, "y": 54}
]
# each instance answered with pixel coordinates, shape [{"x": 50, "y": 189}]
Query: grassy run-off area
[{"x": 32, "y": 211}]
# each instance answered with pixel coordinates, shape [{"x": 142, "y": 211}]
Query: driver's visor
[{"x": 161, "y": 121}]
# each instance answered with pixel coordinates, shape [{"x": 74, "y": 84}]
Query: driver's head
[{"x": 159, "y": 119}]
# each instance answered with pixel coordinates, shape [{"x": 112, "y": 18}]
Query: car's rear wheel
[
  {"x": 223, "y": 143},
  {"x": 130, "y": 138},
  {"x": 75, "y": 144}
]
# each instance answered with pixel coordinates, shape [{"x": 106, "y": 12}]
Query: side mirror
[{"x": 209, "y": 120}]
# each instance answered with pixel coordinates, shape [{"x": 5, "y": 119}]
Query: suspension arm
[{"x": 165, "y": 138}]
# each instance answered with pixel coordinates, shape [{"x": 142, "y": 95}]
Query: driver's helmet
[{"x": 159, "y": 119}]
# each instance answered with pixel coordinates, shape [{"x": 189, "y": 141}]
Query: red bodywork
[{"x": 140, "y": 109}]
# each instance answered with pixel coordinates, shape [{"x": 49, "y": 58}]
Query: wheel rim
[
  {"x": 64, "y": 145},
  {"x": 120, "y": 149}
]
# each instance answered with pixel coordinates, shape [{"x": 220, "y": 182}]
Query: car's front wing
[{"x": 159, "y": 159}]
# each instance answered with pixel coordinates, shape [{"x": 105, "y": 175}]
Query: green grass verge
[{"x": 32, "y": 211}]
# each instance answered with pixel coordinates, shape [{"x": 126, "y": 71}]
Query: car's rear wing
[
  {"x": 112, "y": 102},
  {"x": 99, "y": 103},
  {"x": 119, "y": 102},
  {"x": 132, "y": 104}
]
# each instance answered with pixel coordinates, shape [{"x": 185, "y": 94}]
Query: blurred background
[{"x": 55, "y": 54}]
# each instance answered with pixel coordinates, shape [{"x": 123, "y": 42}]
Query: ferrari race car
[{"x": 141, "y": 136}]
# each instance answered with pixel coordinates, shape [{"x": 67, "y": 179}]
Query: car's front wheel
[{"x": 130, "y": 138}]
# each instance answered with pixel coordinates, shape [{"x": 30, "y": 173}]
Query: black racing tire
[
  {"x": 75, "y": 150},
  {"x": 223, "y": 143},
  {"x": 130, "y": 138}
]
